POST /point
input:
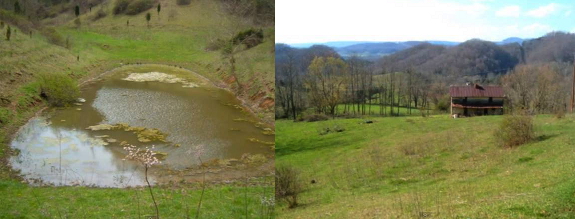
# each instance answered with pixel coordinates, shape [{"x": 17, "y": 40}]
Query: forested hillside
[
  {"x": 477, "y": 57},
  {"x": 419, "y": 77}
]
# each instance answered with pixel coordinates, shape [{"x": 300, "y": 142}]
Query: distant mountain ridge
[
  {"x": 371, "y": 50},
  {"x": 511, "y": 40},
  {"x": 471, "y": 58},
  {"x": 335, "y": 44},
  {"x": 478, "y": 57}
]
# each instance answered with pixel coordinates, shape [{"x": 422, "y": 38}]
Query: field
[
  {"x": 177, "y": 36},
  {"x": 221, "y": 201},
  {"x": 375, "y": 110},
  {"x": 434, "y": 167}
]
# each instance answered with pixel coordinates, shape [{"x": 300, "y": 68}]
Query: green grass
[
  {"x": 375, "y": 110},
  {"x": 404, "y": 167},
  {"x": 19, "y": 200}
]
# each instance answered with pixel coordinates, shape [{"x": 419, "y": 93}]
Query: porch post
[{"x": 451, "y": 107}]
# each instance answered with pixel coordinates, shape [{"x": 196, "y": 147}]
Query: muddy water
[{"x": 199, "y": 120}]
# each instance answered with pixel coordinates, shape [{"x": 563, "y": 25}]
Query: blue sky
[{"x": 305, "y": 21}]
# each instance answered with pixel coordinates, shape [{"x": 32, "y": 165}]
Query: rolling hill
[
  {"x": 402, "y": 167},
  {"x": 373, "y": 50},
  {"x": 478, "y": 57}
]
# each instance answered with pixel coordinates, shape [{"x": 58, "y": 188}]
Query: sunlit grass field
[
  {"x": 376, "y": 109},
  {"x": 438, "y": 167},
  {"x": 222, "y": 201}
]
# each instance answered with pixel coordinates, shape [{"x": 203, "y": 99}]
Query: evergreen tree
[
  {"x": 17, "y": 8},
  {"x": 148, "y": 17},
  {"x": 8, "y": 33},
  {"x": 77, "y": 10}
]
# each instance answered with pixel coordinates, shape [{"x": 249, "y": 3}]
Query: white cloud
[
  {"x": 537, "y": 28},
  {"x": 568, "y": 13},
  {"x": 509, "y": 11},
  {"x": 543, "y": 10},
  {"x": 299, "y": 21},
  {"x": 303, "y": 21}
]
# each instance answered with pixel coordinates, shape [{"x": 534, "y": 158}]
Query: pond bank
[
  {"x": 216, "y": 174},
  {"x": 257, "y": 104}
]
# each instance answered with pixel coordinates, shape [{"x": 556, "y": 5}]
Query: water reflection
[{"x": 63, "y": 156}]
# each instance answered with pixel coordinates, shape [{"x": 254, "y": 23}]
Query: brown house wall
[{"x": 478, "y": 102}]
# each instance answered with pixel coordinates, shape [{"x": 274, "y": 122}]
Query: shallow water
[{"x": 58, "y": 149}]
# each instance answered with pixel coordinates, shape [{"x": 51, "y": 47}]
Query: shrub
[
  {"x": 184, "y": 2},
  {"x": 139, "y": 6},
  {"x": 121, "y": 6},
  {"x": 515, "y": 130},
  {"x": 253, "y": 40},
  {"x": 58, "y": 89},
  {"x": 288, "y": 186},
  {"x": 443, "y": 103},
  {"x": 315, "y": 117},
  {"x": 249, "y": 37}
]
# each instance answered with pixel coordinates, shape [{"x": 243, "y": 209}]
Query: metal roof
[{"x": 476, "y": 90}]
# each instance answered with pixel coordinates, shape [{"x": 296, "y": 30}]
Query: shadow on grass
[
  {"x": 306, "y": 205},
  {"x": 545, "y": 137},
  {"x": 316, "y": 142}
]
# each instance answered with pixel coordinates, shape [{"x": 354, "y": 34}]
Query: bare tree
[
  {"x": 326, "y": 77},
  {"x": 537, "y": 88}
]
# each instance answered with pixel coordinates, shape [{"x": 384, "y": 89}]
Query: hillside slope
[
  {"x": 404, "y": 167},
  {"x": 179, "y": 35}
]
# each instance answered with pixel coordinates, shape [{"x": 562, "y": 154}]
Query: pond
[{"x": 186, "y": 119}]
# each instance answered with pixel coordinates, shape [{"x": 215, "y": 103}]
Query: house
[{"x": 474, "y": 99}]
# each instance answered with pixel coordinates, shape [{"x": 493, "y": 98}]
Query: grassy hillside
[
  {"x": 409, "y": 167},
  {"x": 178, "y": 36}
]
